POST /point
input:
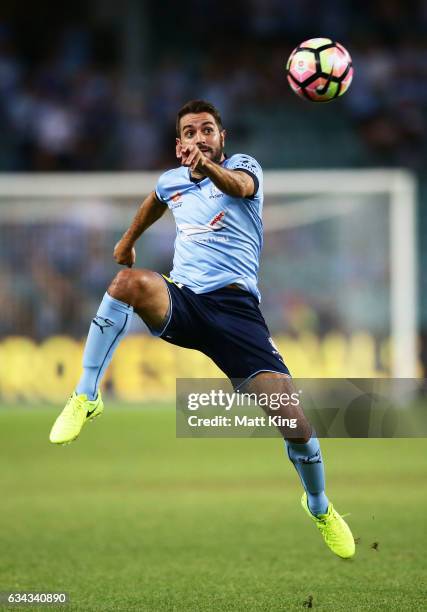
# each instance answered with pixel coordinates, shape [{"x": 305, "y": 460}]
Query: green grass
[{"x": 131, "y": 518}]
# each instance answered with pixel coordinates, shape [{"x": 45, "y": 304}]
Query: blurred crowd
[
  {"x": 53, "y": 273},
  {"x": 51, "y": 277},
  {"x": 73, "y": 105}
]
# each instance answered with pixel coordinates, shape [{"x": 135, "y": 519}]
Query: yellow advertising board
[{"x": 145, "y": 368}]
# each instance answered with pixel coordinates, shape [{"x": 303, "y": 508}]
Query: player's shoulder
[
  {"x": 170, "y": 181},
  {"x": 243, "y": 161},
  {"x": 171, "y": 176}
]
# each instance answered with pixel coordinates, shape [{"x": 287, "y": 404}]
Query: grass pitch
[{"x": 130, "y": 518}]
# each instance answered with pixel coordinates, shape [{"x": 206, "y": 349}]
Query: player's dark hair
[{"x": 198, "y": 106}]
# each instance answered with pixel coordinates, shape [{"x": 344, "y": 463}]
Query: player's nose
[{"x": 200, "y": 138}]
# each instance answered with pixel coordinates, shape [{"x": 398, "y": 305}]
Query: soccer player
[{"x": 211, "y": 300}]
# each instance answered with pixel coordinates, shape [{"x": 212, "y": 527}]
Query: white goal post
[
  {"x": 308, "y": 194},
  {"x": 402, "y": 187}
]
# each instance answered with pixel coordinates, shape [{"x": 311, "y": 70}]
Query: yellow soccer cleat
[
  {"x": 78, "y": 411},
  {"x": 334, "y": 530}
]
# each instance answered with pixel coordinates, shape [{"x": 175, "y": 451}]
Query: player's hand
[
  {"x": 124, "y": 254},
  {"x": 191, "y": 156}
]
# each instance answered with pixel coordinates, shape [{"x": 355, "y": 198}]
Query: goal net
[{"x": 338, "y": 278}]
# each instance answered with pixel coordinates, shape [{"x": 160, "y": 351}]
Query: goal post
[{"x": 401, "y": 187}]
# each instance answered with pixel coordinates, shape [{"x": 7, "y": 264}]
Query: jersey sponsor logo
[
  {"x": 176, "y": 196},
  {"x": 216, "y": 222},
  {"x": 188, "y": 230},
  {"x": 176, "y": 200}
]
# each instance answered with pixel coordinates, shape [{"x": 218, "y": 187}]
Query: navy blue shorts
[{"x": 227, "y": 326}]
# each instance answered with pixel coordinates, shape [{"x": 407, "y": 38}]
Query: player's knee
[{"x": 131, "y": 285}]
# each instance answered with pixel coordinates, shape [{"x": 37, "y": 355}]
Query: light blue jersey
[{"x": 219, "y": 238}]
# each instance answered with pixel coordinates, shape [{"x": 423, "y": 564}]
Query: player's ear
[
  {"x": 223, "y": 135},
  {"x": 178, "y": 147}
]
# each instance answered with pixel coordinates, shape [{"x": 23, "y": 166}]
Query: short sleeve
[
  {"x": 246, "y": 163},
  {"x": 160, "y": 190}
]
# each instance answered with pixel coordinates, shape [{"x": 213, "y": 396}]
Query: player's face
[{"x": 201, "y": 129}]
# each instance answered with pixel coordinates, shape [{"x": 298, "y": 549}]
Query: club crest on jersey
[{"x": 215, "y": 192}]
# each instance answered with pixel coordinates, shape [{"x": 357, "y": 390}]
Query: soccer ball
[{"x": 319, "y": 70}]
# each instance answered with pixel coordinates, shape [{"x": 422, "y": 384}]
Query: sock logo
[
  {"x": 316, "y": 458},
  {"x": 101, "y": 323}
]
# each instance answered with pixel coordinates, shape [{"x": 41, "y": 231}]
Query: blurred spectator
[
  {"x": 69, "y": 108},
  {"x": 138, "y": 138}
]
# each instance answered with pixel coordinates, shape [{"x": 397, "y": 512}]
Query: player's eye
[
  {"x": 208, "y": 130},
  {"x": 188, "y": 134}
]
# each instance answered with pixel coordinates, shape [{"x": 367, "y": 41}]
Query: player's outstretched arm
[
  {"x": 148, "y": 213},
  {"x": 234, "y": 183}
]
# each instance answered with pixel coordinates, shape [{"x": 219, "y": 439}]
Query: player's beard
[{"x": 214, "y": 155}]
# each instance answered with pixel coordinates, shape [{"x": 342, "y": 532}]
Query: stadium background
[
  {"x": 125, "y": 518},
  {"x": 98, "y": 90}
]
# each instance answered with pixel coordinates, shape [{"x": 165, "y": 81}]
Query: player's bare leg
[
  {"x": 304, "y": 452},
  {"x": 142, "y": 291},
  {"x": 303, "y": 448},
  {"x": 275, "y": 382},
  {"x": 132, "y": 290},
  {"x": 145, "y": 291}
]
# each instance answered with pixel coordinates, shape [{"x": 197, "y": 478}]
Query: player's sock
[
  {"x": 110, "y": 325},
  {"x": 307, "y": 460}
]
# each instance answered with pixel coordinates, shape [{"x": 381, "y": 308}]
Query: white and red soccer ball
[{"x": 319, "y": 70}]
